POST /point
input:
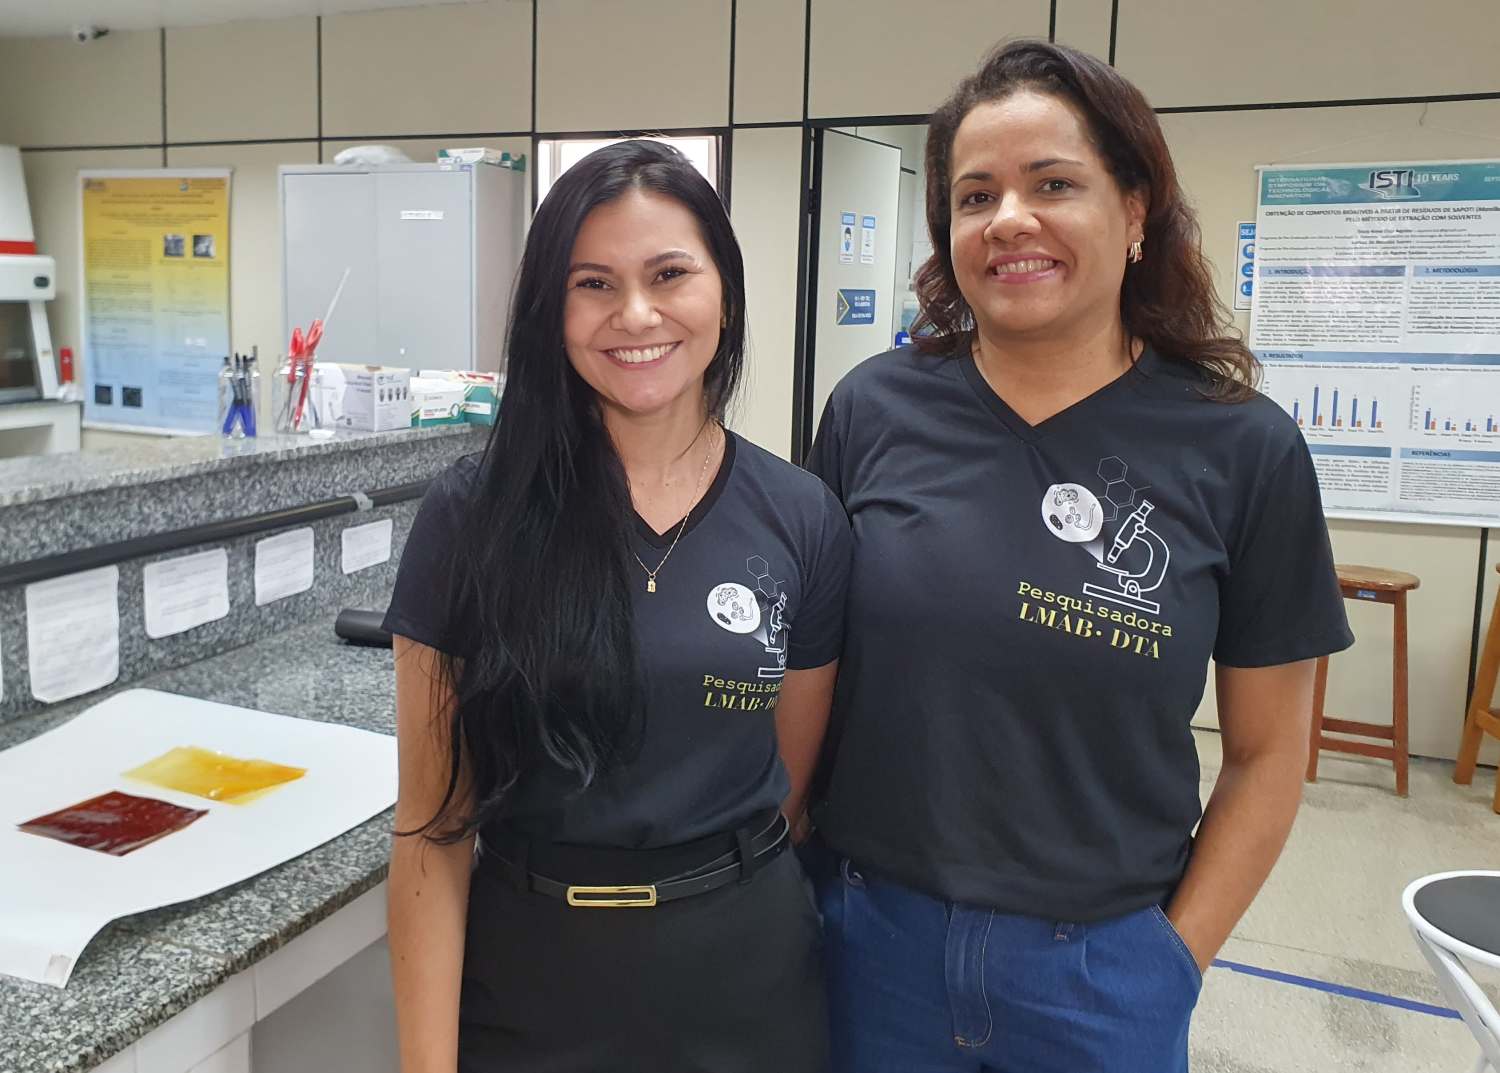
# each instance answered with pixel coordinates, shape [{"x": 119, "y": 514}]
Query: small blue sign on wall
[
  {"x": 1245, "y": 258},
  {"x": 846, "y": 238},
  {"x": 856, "y": 307}
]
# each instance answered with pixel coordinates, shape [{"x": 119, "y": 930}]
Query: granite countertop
[
  {"x": 43, "y": 477},
  {"x": 142, "y": 970}
]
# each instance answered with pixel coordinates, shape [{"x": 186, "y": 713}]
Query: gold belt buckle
[{"x": 616, "y": 897}]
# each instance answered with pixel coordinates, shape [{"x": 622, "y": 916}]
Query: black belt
[{"x": 751, "y": 853}]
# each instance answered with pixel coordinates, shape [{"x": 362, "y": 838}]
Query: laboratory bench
[
  {"x": 156, "y": 460},
  {"x": 171, "y": 990},
  {"x": 183, "y": 989},
  {"x": 62, "y": 515}
]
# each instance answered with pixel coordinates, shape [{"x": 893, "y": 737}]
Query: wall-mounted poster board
[
  {"x": 155, "y": 297},
  {"x": 1376, "y": 313}
]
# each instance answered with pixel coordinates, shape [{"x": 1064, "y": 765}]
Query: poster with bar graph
[{"x": 1376, "y": 317}]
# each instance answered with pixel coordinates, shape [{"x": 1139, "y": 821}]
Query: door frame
[{"x": 804, "y": 357}]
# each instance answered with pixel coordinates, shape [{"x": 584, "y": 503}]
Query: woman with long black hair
[{"x": 616, "y": 640}]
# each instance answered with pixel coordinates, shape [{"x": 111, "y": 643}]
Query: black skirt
[{"x": 725, "y": 982}]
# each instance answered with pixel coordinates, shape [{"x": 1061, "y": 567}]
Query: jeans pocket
[
  {"x": 1185, "y": 955},
  {"x": 835, "y": 889}
]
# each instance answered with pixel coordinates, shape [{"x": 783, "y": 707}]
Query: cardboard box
[
  {"x": 436, "y": 401},
  {"x": 481, "y": 398},
  {"x": 476, "y": 154},
  {"x": 481, "y": 392},
  {"x": 376, "y": 399}
]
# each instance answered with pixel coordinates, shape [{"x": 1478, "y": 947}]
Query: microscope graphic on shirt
[
  {"x": 772, "y": 633},
  {"x": 1135, "y": 559},
  {"x": 1130, "y": 584}
]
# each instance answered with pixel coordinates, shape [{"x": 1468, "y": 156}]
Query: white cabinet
[
  {"x": 432, "y": 251},
  {"x": 321, "y": 1002}
]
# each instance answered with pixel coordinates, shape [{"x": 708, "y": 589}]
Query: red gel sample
[{"x": 115, "y": 823}]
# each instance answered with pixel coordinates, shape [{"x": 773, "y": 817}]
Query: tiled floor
[{"x": 1331, "y": 914}]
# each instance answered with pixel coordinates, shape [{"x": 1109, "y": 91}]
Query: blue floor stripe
[{"x": 1338, "y": 989}]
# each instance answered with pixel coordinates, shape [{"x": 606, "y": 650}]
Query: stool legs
[
  {"x": 1480, "y": 718},
  {"x": 1315, "y": 741},
  {"x": 1478, "y": 722},
  {"x": 1395, "y": 732},
  {"x": 1468, "y": 749},
  {"x": 1399, "y": 691}
]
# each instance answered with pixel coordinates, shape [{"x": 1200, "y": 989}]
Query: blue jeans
[{"x": 918, "y": 985}]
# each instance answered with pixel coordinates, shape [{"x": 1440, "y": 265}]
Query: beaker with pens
[
  {"x": 298, "y": 399},
  {"x": 239, "y": 392}
]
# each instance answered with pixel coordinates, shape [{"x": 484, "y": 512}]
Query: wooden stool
[
  {"x": 1482, "y": 719},
  {"x": 1382, "y": 587}
]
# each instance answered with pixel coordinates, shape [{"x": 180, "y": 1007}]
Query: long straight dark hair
[
  {"x": 540, "y": 573},
  {"x": 1168, "y": 300}
]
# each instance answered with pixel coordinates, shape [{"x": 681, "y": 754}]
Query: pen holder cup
[
  {"x": 228, "y": 427},
  {"x": 296, "y": 400},
  {"x": 239, "y": 395}
]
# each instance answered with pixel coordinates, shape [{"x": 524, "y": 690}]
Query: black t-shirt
[
  {"x": 755, "y": 587},
  {"x": 1031, "y": 615}
]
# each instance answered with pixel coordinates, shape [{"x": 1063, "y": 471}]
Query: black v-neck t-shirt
[
  {"x": 1032, "y": 611},
  {"x": 754, "y": 587}
]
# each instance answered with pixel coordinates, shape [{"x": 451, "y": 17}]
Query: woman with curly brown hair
[{"x": 1067, "y": 498}]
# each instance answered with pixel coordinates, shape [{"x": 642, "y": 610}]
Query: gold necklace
[{"x": 651, "y": 574}]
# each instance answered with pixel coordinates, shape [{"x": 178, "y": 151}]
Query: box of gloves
[
  {"x": 375, "y": 399},
  {"x": 434, "y": 392},
  {"x": 436, "y": 400}
]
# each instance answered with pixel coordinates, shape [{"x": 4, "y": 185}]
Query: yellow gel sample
[{"x": 189, "y": 769}]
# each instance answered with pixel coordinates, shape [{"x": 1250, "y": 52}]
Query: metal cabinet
[{"x": 432, "y": 252}]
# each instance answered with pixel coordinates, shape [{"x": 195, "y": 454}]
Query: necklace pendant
[{"x": 650, "y": 584}]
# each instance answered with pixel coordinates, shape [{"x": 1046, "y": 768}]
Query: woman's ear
[{"x": 1137, "y": 206}]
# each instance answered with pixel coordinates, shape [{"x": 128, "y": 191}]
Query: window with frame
[{"x": 557, "y": 155}]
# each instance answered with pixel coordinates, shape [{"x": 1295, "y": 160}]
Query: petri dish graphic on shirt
[
  {"x": 189, "y": 769},
  {"x": 115, "y": 823}
]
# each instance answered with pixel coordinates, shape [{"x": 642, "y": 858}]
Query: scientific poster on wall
[
  {"x": 155, "y": 298},
  {"x": 1376, "y": 313}
]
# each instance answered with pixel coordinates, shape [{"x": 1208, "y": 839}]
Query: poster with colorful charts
[{"x": 1376, "y": 317}]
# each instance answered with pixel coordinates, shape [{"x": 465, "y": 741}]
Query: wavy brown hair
[{"x": 1167, "y": 300}]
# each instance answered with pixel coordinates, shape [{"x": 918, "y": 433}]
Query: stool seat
[
  {"x": 1452, "y": 917},
  {"x": 1464, "y": 907},
  {"x": 1375, "y": 577}
]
